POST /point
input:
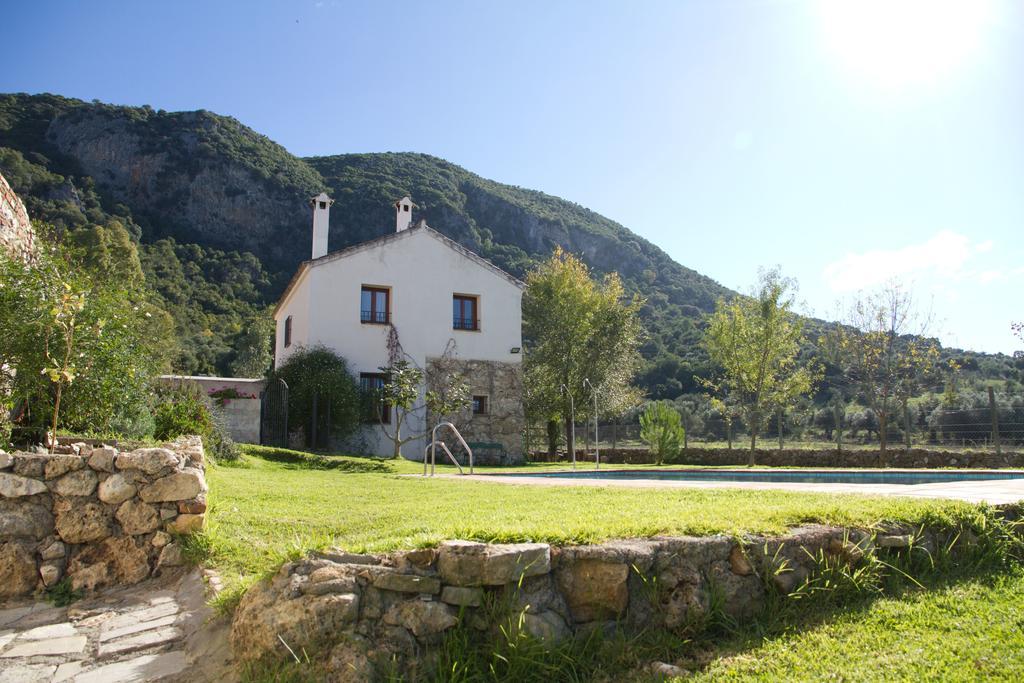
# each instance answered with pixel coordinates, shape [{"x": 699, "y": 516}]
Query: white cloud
[{"x": 945, "y": 255}]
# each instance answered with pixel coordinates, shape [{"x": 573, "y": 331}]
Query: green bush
[
  {"x": 184, "y": 410},
  {"x": 662, "y": 430}
]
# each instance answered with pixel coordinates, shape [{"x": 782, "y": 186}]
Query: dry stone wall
[
  {"x": 366, "y": 614},
  {"x": 96, "y": 515},
  {"x": 17, "y": 237}
]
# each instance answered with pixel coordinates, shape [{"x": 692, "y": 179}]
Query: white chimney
[
  {"x": 403, "y": 214},
  {"x": 321, "y": 214}
]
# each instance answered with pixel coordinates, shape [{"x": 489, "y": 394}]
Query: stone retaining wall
[
  {"x": 795, "y": 457},
  {"x": 365, "y": 614},
  {"x": 17, "y": 237},
  {"x": 95, "y": 515}
]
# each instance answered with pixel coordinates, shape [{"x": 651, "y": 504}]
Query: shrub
[
  {"x": 184, "y": 410},
  {"x": 661, "y": 429},
  {"x": 319, "y": 372}
]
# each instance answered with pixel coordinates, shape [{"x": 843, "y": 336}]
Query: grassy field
[
  {"x": 265, "y": 509},
  {"x": 969, "y": 631}
]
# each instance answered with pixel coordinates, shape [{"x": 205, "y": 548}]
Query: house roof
[{"x": 421, "y": 227}]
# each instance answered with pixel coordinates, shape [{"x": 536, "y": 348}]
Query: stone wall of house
[
  {"x": 17, "y": 237},
  {"x": 364, "y": 614},
  {"x": 795, "y": 457},
  {"x": 502, "y": 385},
  {"x": 96, "y": 515}
]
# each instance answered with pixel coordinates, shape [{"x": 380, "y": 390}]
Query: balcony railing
[
  {"x": 375, "y": 317},
  {"x": 465, "y": 323}
]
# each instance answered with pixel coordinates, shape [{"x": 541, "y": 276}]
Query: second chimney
[
  {"x": 403, "y": 214},
  {"x": 321, "y": 223}
]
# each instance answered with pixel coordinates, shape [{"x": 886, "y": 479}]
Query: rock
[
  {"x": 348, "y": 663},
  {"x": 462, "y": 596},
  {"x": 682, "y": 597},
  {"x": 116, "y": 489},
  {"x": 196, "y": 506},
  {"x": 167, "y": 513},
  {"x": 342, "y": 557},
  {"x": 407, "y": 583},
  {"x": 79, "y": 483},
  {"x": 117, "y": 560},
  {"x": 149, "y": 460},
  {"x": 102, "y": 459},
  {"x": 5, "y": 459},
  {"x": 79, "y": 522},
  {"x": 263, "y": 619},
  {"x": 50, "y": 573},
  {"x": 343, "y": 585},
  {"x": 466, "y": 563},
  {"x": 21, "y": 519},
  {"x": 54, "y": 551},
  {"x": 14, "y": 486},
  {"x": 81, "y": 448},
  {"x": 17, "y": 569},
  {"x": 547, "y": 626},
  {"x": 160, "y": 539},
  {"x": 739, "y": 563},
  {"x": 137, "y": 517},
  {"x": 187, "y": 524},
  {"x": 170, "y": 556},
  {"x": 182, "y": 485},
  {"x": 422, "y": 558},
  {"x": 895, "y": 541},
  {"x": 661, "y": 670},
  {"x": 421, "y": 618},
  {"x": 594, "y": 589},
  {"x": 59, "y": 465},
  {"x": 31, "y": 465}
]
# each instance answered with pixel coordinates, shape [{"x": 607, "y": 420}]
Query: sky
[{"x": 848, "y": 142}]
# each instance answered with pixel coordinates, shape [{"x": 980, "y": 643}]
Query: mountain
[{"x": 221, "y": 214}]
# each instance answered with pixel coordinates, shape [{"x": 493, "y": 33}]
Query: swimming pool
[{"x": 905, "y": 477}]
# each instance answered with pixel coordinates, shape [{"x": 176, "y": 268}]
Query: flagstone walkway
[{"x": 158, "y": 630}]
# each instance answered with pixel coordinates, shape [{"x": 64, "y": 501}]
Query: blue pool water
[{"x": 792, "y": 476}]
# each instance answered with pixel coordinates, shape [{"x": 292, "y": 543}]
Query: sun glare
[{"x": 898, "y": 43}]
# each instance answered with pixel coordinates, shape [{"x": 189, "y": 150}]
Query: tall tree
[
  {"x": 756, "y": 342},
  {"x": 576, "y": 328},
  {"x": 882, "y": 350}
]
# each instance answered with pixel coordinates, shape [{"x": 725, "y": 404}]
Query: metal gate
[{"x": 274, "y": 415}]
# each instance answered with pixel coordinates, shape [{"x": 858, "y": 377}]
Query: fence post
[
  {"x": 839, "y": 416},
  {"x": 906, "y": 424},
  {"x": 995, "y": 420}
]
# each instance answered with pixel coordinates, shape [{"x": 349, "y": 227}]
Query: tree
[
  {"x": 253, "y": 354},
  {"x": 756, "y": 342},
  {"x": 80, "y": 342},
  {"x": 882, "y": 351},
  {"x": 400, "y": 392},
  {"x": 576, "y": 329},
  {"x": 661, "y": 429}
]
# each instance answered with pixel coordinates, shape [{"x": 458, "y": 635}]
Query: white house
[{"x": 451, "y": 310}]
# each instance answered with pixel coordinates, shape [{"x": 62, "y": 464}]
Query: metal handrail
[
  {"x": 444, "y": 446},
  {"x": 433, "y": 448}
]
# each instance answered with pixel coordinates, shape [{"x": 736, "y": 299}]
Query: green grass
[
  {"x": 969, "y": 631},
  {"x": 265, "y": 511}
]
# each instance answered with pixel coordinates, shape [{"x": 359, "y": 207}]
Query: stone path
[{"x": 158, "y": 630}]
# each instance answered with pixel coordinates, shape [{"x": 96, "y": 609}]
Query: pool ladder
[{"x": 434, "y": 443}]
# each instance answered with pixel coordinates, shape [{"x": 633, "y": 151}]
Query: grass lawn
[
  {"x": 970, "y": 631},
  {"x": 264, "y": 510}
]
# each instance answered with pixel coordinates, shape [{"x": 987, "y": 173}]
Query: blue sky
[{"x": 847, "y": 142}]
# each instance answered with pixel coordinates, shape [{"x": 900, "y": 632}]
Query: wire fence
[{"x": 996, "y": 427}]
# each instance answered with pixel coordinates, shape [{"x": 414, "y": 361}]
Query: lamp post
[
  {"x": 597, "y": 441},
  {"x": 572, "y": 423}
]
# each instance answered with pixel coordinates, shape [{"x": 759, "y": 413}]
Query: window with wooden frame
[
  {"x": 287, "y": 331},
  {"x": 479, "y": 405},
  {"x": 465, "y": 312},
  {"x": 372, "y": 384},
  {"x": 375, "y": 305}
]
